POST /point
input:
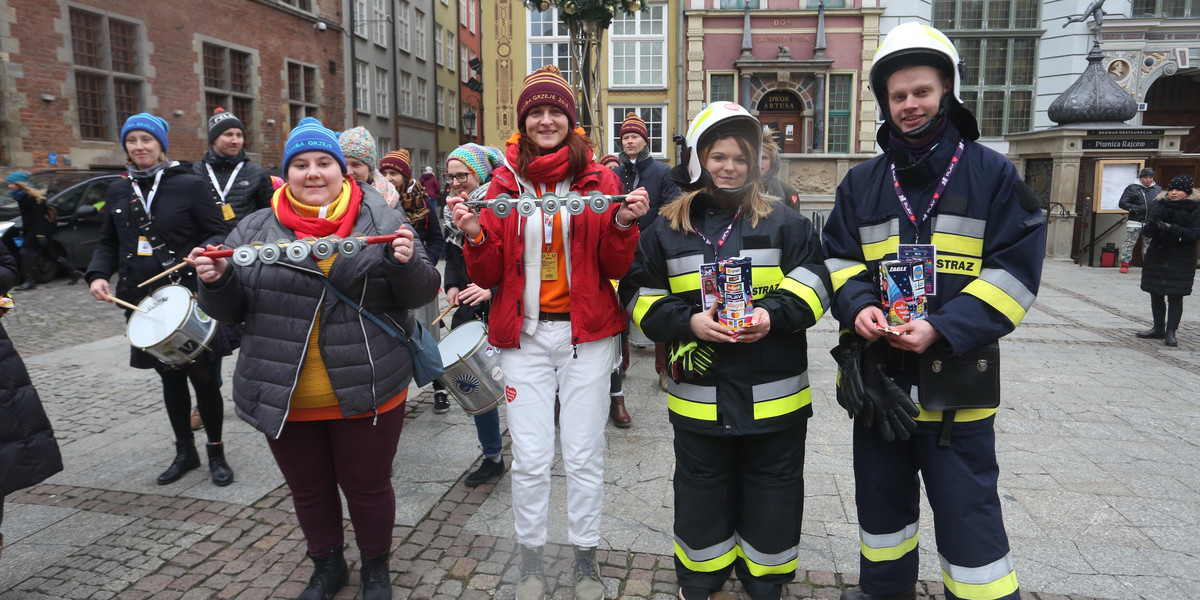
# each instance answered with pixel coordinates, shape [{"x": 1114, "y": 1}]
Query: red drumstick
[{"x": 222, "y": 253}]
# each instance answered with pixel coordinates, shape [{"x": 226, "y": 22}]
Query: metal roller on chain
[{"x": 573, "y": 203}]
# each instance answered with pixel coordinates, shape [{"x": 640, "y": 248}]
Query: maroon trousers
[{"x": 316, "y": 457}]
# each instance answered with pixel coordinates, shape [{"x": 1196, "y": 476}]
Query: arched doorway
[
  {"x": 1173, "y": 101},
  {"x": 783, "y": 111}
]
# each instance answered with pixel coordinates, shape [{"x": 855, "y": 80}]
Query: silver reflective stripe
[
  {"x": 778, "y": 389},
  {"x": 813, "y": 281},
  {"x": 692, "y": 392},
  {"x": 872, "y": 234},
  {"x": 1005, "y": 281},
  {"x": 763, "y": 257},
  {"x": 837, "y": 264},
  {"x": 684, "y": 264},
  {"x": 704, "y": 554},
  {"x": 644, "y": 292},
  {"x": 957, "y": 225},
  {"x": 767, "y": 560},
  {"x": 979, "y": 575},
  {"x": 887, "y": 540}
]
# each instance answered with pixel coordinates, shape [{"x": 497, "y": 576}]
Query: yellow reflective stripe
[
  {"x": 805, "y": 293},
  {"x": 759, "y": 570},
  {"x": 957, "y": 244},
  {"x": 642, "y": 306},
  {"x": 684, "y": 283},
  {"x": 694, "y": 410},
  {"x": 960, "y": 416},
  {"x": 997, "y": 299},
  {"x": 765, "y": 279},
  {"x": 705, "y": 566},
  {"x": 782, "y": 406},
  {"x": 839, "y": 277},
  {"x": 988, "y": 591},
  {"x": 959, "y": 265},
  {"x": 994, "y": 580},
  {"x": 878, "y": 250},
  {"x": 888, "y": 546}
]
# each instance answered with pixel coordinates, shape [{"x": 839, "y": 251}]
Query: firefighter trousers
[
  {"x": 738, "y": 504},
  {"x": 960, "y": 482}
]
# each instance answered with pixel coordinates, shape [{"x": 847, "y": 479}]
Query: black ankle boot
[
  {"x": 376, "y": 580},
  {"x": 222, "y": 475},
  {"x": 1169, "y": 339},
  {"x": 1156, "y": 333},
  {"x": 76, "y": 275},
  {"x": 27, "y": 285},
  {"x": 329, "y": 575},
  {"x": 186, "y": 459}
]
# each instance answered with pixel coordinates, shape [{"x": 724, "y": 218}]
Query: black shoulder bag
[{"x": 949, "y": 382}]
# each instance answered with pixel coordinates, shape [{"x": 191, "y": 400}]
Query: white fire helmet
[
  {"x": 911, "y": 44},
  {"x": 724, "y": 118}
]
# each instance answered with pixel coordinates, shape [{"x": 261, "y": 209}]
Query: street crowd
[{"x": 931, "y": 254}]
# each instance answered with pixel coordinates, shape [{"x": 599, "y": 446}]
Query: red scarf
[
  {"x": 316, "y": 226},
  {"x": 551, "y": 167}
]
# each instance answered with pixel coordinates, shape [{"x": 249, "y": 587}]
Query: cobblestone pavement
[{"x": 1097, "y": 445}]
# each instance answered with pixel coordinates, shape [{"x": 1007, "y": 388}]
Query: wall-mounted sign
[
  {"x": 1125, "y": 132},
  {"x": 780, "y": 101},
  {"x": 1106, "y": 144}
]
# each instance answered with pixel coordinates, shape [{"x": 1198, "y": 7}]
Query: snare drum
[
  {"x": 172, "y": 329},
  {"x": 472, "y": 368}
]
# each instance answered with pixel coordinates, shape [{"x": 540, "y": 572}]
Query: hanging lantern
[
  {"x": 569, "y": 8},
  {"x": 544, "y": 6},
  {"x": 635, "y": 6}
]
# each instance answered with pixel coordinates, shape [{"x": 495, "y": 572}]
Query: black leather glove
[
  {"x": 851, "y": 393},
  {"x": 895, "y": 410}
]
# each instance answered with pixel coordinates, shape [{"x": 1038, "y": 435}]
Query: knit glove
[{"x": 691, "y": 360}]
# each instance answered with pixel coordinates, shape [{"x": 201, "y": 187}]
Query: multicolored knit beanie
[
  {"x": 358, "y": 143},
  {"x": 546, "y": 86},
  {"x": 397, "y": 160},
  {"x": 480, "y": 159}
]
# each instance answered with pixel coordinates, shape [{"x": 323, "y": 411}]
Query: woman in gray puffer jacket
[{"x": 324, "y": 383}]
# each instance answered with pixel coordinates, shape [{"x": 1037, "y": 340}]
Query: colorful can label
[{"x": 902, "y": 290}]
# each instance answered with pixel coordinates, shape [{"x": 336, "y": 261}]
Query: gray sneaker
[
  {"x": 587, "y": 575},
  {"x": 533, "y": 583}
]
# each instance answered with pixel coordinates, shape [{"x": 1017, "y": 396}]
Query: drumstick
[
  {"x": 163, "y": 274},
  {"x": 120, "y": 302},
  {"x": 443, "y": 314},
  {"x": 223, "y": 253}
]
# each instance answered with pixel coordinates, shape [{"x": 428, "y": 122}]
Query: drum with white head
[
  {"x": 472, "y": 368},
  {"x": 170, "y": 326}
]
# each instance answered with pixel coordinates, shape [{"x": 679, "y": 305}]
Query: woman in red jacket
[{"x": 555, "y": 314}]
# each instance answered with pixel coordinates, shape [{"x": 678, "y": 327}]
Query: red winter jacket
[{"x": 600, "y": 251}]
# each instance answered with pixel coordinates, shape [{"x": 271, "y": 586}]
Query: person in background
[
  {"x": 325, "y": 384},
  {"x": 771, "y": 165},
  {"x": 468, "y": 170},
  {"x": 639, "y": 169},
  {"x": 610, "y": 161},
  {"x": 1169, "y": 264},
  {"x": 359, "y": 147},
  {"x": 38, "y": 222},
  {"x": 1136, "y": 199},
  {"x": 162, "y": 199},
  {"x": 555, "y": 317},
  {"x": 739, "y": 424},
  {"x": 29, "y": 453},
  {"x": 432, "y": 189}
]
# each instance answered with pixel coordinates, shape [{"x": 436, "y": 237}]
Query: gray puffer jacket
[{"x": 279, "y": 303}]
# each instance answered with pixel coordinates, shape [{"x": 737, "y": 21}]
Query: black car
[{"x": 78, "y": 196}]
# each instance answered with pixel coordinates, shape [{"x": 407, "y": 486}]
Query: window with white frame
[
  {"x": 462, "y": 12},
  {"x": 380, "y": 22},
  {"x": 722, "y": 86},
  {"x": 402, "y": 26},
  {"x": 301, "y": 92},
  {"x": 440, "y": 108},
  {"x": 406, "y": 94},
  {"x": 451, "y": 54},
  {"x": 840, "y": 103},
  {"x": 381, "y": 92},
  {"x": 304, "y": 5},
  {"x": 108, "y": 73},
  {"x": 360, "y": 18},
  {"x": 383, "y": 146},
  {"x": 439, "y": 33},
  {"x": 637, "y": 45},
  {"x": 652, "y": 115},
  {"x": 422, "y": 99},
  {"x": 464, "y": 69},
  {"x": 424, "y": 154},
  {"x": 471, "y": 4},
  {"x": 362, "y": 87},
  {"x": 549, "y": 43},
  {"x": 452, "y": 109},
  {"x": 419, "y": 36},
  {"x": 1171, "y": 9}
]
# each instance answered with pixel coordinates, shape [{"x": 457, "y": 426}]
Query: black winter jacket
[
  {"x": 279, "y": 303},
  {"x": 35, "y": 222},
  {"x": 652, "y": 175},
  {"x": 1169, "y": 264},
  {"x": 1135, "y": 198},
  {"x": 251, "y": 191},
  {"x": 28, "y": 452}
]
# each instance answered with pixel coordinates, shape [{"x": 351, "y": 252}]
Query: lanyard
[
  {"x": 937, "y": 194},
  {"x": 724, "y": 236},
  {"x": 146, "y": 201},
  {"x": 228, "y": 184},
  {"x": 548, "y": 230}
]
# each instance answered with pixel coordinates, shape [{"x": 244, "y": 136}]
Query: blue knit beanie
[
  {"x": 17, "y": 177},
  {"x": 308, "y": 136},
  {"x": 149, "y": 123}
]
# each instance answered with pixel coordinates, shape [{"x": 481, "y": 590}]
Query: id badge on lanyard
[
  {"x": 549, "y": 259},
  {"x": 226, "y": 210}
]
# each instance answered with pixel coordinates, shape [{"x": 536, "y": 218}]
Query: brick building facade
[{"x": 71, "y": 71}]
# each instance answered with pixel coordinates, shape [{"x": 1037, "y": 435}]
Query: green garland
[{"x": 601, "y": 11}]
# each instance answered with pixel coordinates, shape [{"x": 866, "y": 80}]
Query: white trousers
[{"x": 547, "y": 362}]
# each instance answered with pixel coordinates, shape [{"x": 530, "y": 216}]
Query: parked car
[{"x": 78, "y": 196}]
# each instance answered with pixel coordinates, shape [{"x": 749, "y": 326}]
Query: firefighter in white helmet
[
  {"x": 924, "y": 391},
  {"x": 738, "y": 398}
]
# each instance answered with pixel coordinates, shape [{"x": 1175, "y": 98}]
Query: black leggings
[
  {"x": 204, "y": 376},
  {"x": 1168, "y": 308}
]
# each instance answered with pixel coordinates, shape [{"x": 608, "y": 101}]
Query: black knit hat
[
  {"x": 1147, "y": 172},
  {"x": 220, "y": 121},
  {"x": 1182, "y": 183}
]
